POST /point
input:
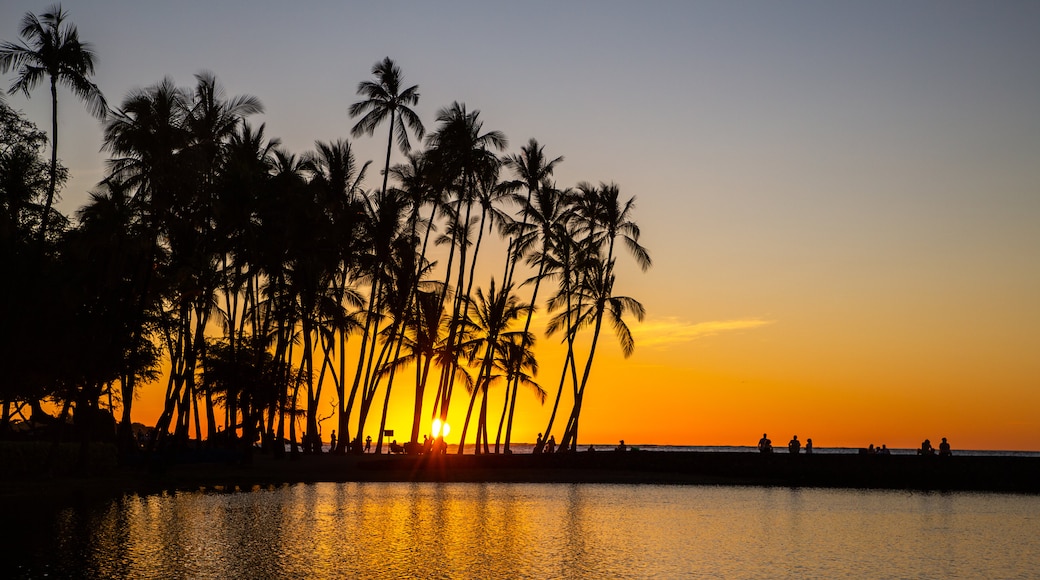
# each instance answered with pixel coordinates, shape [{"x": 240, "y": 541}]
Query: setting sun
[{"x": 440, "y": 429}]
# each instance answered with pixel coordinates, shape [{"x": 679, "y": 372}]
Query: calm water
[{"x": 428, "y": 530}]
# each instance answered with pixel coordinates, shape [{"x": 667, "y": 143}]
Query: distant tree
[{"x": 51, "y": 48}]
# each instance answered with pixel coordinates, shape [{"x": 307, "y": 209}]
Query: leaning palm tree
[
  {"x": 604, "y": 218},
  {"x": 384, "y": 98},
  {"x": 597, "y": 301},
  {"x": 546, "y": 214},
  {"x": 52, "y": 48}
]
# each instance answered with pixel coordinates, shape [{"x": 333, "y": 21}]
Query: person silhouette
[
  {"x": 621, "y": 446},
  {"x": 944, "y": 448},
  {"x": 551, "y": 445},
  {"x": 765, "y": 445},
  {"x": 926, "y": 448},
  {"x": 794, "y": 446},
  {"x": 368, "y": 444},
  {"x": 332, "y": 441},
  {"x": 808, "y": 446}
]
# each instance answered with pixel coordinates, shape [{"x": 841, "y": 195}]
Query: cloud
[{"x": 670, "y": 331}]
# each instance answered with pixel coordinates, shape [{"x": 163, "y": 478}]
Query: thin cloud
[{"x": 671, "y": 331}]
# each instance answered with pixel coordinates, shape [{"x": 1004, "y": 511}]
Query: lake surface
[{"x": 463, "y": 530}]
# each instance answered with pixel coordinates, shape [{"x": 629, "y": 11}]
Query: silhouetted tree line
[{"x": 263, "y": 278}]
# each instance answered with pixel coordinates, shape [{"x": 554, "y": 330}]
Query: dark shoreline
[{"x": 957, "y": 473}]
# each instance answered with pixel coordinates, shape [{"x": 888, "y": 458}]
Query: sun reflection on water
[{"x": 430, "y": 530}]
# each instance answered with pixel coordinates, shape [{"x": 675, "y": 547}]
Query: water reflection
[{"x": 430, "y": 530}]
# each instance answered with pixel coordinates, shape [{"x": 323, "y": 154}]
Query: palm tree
[
  {"x": 336, "y": 179},
  {"x": 241, "y": 183},
  {"x": 569, "y": 257},
  {"x": 384, "y": 98},
  {"x": 386, "y": 218},
  {"x": 489, "y": 320},
  {"x": 546, "y": 213},
  {"x": 171, "y": 145},
  {"x": 462, "y": 154},
  {"x": 518, "y": 364},
  {"x": 52, "y": 48},
  {"x": 532, "y": 170},
  {"x": 604, "y": 219}
]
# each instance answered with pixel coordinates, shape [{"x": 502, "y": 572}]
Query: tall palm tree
[
  {"x": 462, "y": 153},
  {"x": 546, "y": 214},
  {"x": 336, "y": 179},
  {"x": 604, "y": 218},
  {"x": 51, "y": 47},
  {"x": 384, "y": 98},
  {"x": 171, "y": 145},
  {"x": 241, "y": 183},
  {"x": 569, "y": 257}
]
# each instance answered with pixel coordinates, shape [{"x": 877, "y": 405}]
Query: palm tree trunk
[
  {"x": 389, "y": 150},
  {"x": 53, "y": 179},
  {"x": 360, "y": 367},
  {"x": 422, "y": 372},
  {"x": 512, "y": 389},
  {"x": 461, "y": 303},
  {"x": 482, "y": 379},
  {"x": 570, "y": 436}
]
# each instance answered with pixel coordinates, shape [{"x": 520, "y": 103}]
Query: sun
[{"x": 440, "y": 429}]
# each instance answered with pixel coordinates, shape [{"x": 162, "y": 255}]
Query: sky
[{"x": 841, "y": 199}]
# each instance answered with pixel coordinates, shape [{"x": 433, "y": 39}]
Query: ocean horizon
[{"x": 521, "y": 448}]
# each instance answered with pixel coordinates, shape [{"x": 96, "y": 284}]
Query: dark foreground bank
[{"x": 957, "y": 473}]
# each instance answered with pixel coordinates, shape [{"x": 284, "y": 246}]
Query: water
[{"x": 428, "y": 530}]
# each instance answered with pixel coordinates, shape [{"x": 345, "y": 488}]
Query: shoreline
[{"x": 1002, "y": 474}]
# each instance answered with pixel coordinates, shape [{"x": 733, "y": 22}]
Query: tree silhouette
[
  {"x": 603, "y": 218},
  {"x": 51, "y": 48},
  {"x": 384, "y": 98}
]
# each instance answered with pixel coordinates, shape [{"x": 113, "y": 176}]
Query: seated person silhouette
[
  {"x": 794, "y": 446},
  {"x": 944, "y": 448},
  {"x": 765, "y": 445},
  {"x": 926, "y": 448},
  {"x": 621, "y": 446}
]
